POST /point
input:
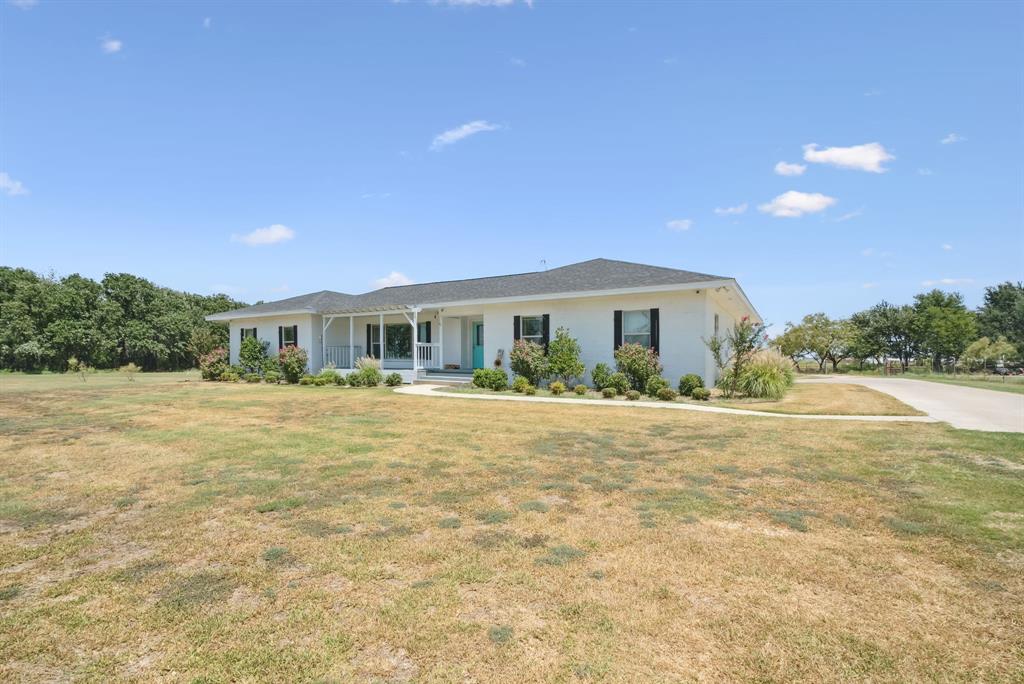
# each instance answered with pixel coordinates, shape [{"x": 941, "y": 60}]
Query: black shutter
[
  {"x": 516, "y": 328},
  {"x": 618, "y": 331},
  {"x": 280, "y": 337},
  {"x": 295, "y": 335},
  {"x": 655, "y": 331},
  {"x": 546, "y": 331},
  {"x": 428, "y": 334},
  {"x": 369, "y": 341},
  {"x": 241, "y": 335}
]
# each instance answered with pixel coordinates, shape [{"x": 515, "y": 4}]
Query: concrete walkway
[
  {"x": 427, "y": 390},
  {"x": 967, "y": 408}
]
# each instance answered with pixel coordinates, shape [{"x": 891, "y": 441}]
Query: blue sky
[{"x": 426, "y": 141}]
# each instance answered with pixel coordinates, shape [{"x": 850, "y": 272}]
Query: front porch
[{"x": 409, "y": 341}]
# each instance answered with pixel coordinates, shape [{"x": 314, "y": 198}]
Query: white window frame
[
  {"x": 643, "y": 338},
  {"x": 247, "y": 333},
  {"x": 539, "y": 337}
]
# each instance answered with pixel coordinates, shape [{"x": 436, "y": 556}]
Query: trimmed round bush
[
  {"x": 307, "y": 380},
  {"x": 252, "y": 377},
  {"x": 633, "y": 395},
  {"x": 557, "y": 387},
  {"x": 580, "y": 389},
  {"x": 618, "y": 382},
  {"x": 229, "y": 376},
  {"x": 608, "y": 393},
  {"x": 700, "y": 393},
  {"x": 490, "y": 378},
  {"x": 667, "y": 394},
  {"x": 520, "y": 384},
  {"x": 530, "y": 390},
  {"x": 393, "y": 379},
  {"x": 690, "y": 382},
  {"x": 272, "y": 377},
  {"x": 339, "y": 379},
  {"x": 655, "y": 384}
]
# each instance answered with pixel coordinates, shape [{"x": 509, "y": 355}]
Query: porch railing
[
  {"x": 339, "y": 356},
  {"x": 428, "y": 355}
]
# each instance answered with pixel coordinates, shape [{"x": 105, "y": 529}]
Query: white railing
[
  {"x": 339, "y": 356},
  {"x": 428, "y": 355}
]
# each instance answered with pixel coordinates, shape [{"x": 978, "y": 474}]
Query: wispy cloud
[
  {"x": 866, "y": 157},
  {"x": 868, "y": 286},
  {"x": 265, "y": 236},
  {"x": 207, "y": 22},
  {"x": 680, "y": 225},
  {"x": 517, "y": 61},
  {"x": 794, "y": 204},
  {"x": 947, "y": 281},
  {"x": 23, "y": 4},
  {"x": 462, "y": 132},
  {"x": 946, "y": 247},
  {"x": 952, "y": 138},
  {"x": 850, "y": 215},
  {"x": 375, "y": 195},
  {"x": 110, "y": 45},
  {"x": 731, "y": 211},
  {"x": 787, "y": 169},
  {"x": 10, "y": 186},
  {"x": 871, "y": 251},
  {"x": 874, "y": 92},
  {"x": 925, "y": 172},
  {"x": 393, "y": 279}
]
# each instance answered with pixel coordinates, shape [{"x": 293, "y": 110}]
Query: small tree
[
  {"x": 528, "y": 360},
  {"x": 252, "y": 355},
  {"x": 213, "y": 363},
  {"x": 735, "y": 351},
  {"x": 293, "y": 362},
  {"x": 564, "y": 357},
  {"x": 638, "y": 363}
]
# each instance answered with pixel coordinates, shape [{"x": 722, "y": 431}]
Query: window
[
  {"x": 397, "y": 341},
  {"x": 636, "y": 327},
  {"x": 248, "y": 332},
  {"x": 374, "y": 341},
  {"x": 423, "y": 332},
  {"x": 288, "y": 336},
  {"x": 533, "y": 329}
]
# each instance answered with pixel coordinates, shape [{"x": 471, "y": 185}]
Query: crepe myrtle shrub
[
  {"x": 734, "y": 351},
  {"x": 608, "y": 393},
  {"x": 655, "y": 383},
  {"x": 667, "y": 394},
  {"x": 580, "y": 389},
  {"x": 633, "y": 395},
  {"x": 564, "y": 357},
  {"x": 557, "y": 387},
  {"x": 689, "y": 382},
  {"x": 528, "y": 359},
  {"x": 617, "y": 382},
  {"x": 490, "y": 378},
  {"x": 393, "y": 379},
  {"x": 700, "y": 393},
  {"x": 214, "y": 363},
  {"x": 520, "y": 384},
  {"x": 638, "y": 362},
  {"x": 292, "y": 362},
  {"x": 252, "y": 355}
]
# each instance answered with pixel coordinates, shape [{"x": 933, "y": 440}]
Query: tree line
[
  {"x": 937, "y": 329},
  {"x": 45, "y": 321}
]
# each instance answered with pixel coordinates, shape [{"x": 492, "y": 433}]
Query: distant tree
[
  {"x": 944, "y": 325},
  {"x": 792, "y": 343},
  {"x": 983, "y": 350},
  {"x": 819, "y": 337},
  {"x": 1002, "y": 313}
]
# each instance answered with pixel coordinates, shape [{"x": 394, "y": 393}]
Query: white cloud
[
  {"x": 848, "y": 216},
  {"x": 947, "y": 281},
  {"x": 925, "y": 172},
  {"x": 375, "y": 195},
  {"x": 794, "y": 204},
  {"x": 10, "y": 186},
  {"x": 111, "y": 45},
  {"x": 392, "y": 279},
  {"x": 869, "y": 251},
  {"x": 679, "y": 225},
  {"x": 731, "y": 211},
  {"x": 947, "y": 247},
  {"x": 787, "y": 169},
  {"x": 265, "y": 236},
  {"x": 464, "y": 131},
  {"x": 207, "y": 22},
  {"x": 952, "y": 138},
  {"x": 24, "y": 4},
  {"x": 517, "y": 61},
  {"x": 868, "y": 286},
  {"x": 873, "y": 93},
  {"x": 867, "y": 157}
]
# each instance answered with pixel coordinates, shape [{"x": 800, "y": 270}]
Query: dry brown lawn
[
  {"x": 830, "y": 399},
  {"x": 163, "y": 530}
]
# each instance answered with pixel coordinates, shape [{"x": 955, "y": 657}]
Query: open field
[{"x": 187, "y": 531}]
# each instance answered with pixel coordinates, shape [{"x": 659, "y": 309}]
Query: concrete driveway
[{"x": 967, "y": 408}]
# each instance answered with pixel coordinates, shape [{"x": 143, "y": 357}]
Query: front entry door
[{"x": 478, "y": 344}]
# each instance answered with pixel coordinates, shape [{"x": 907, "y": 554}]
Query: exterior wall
[
  {"x": 683, "y": 323},
  {"x": 266, "y": 331}
]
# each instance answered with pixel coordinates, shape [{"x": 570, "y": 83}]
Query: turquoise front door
[{"x": 478, "y": 344}]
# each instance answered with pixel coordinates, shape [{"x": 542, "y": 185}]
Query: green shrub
[
  {"x": 618, "y": 382},
  {"x": 272, "y": 377},
  {"x": 667, "y": 394},
  {"x": 490, "y": 378},
  {"x": 564, "y": 357},
  {"x": 557, "y": 387},
  {"x": 393, "y": 379},
  {"x": 608, "y": 392},
  {"x": 767, "y": 375},
  {"x": 293, "y": 362},
  {"x": 520, "y": 384},
  {"x": 700, "y": 393},
  {"x": 633, "y": 395},
  {"x": 307, "y": 379},
  {"x": 655, "y": 384},
  {"x": 600, "y": 375},
  {"x": 213, "y": 364},
  {"x": 229, "y": 376},
  {"x": 252, "y": 354},
  {"x": 638, "y": 362},
  {"x": 252, "y": 377},
  {"x": 530, "y": 390},
  {"x": 580, "y": 389},
  {"x": 528, "y": 359},
  {"x": 690, "y": 382},
  {"x": 367, "y": 376},
  {"x": 327, "y": 376},
  {"x": 339, "y": 379}
]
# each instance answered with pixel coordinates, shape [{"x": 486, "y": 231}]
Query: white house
[{"x": 454, "y": 326}]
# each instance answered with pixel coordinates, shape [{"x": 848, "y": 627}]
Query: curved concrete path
[
  {"x": 427, "y": 390},
  {"x": 967, "y": 408}
]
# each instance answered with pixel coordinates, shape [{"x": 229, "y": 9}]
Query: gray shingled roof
[{"x": 596, "y": 274}]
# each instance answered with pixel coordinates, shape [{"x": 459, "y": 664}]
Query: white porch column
[
  {"x": 351, "y": 343},
  {"x": 323, "y": 341},
  {"x": 415, "y": 351},
  {"x": 440, "y": 339},
  {"x": 381, "y": 340}
]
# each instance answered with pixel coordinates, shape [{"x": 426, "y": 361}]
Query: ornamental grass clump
[{"x": 768, "y": 375}]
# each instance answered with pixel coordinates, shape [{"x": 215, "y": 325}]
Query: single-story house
[{"x": 454, "y": 326}]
